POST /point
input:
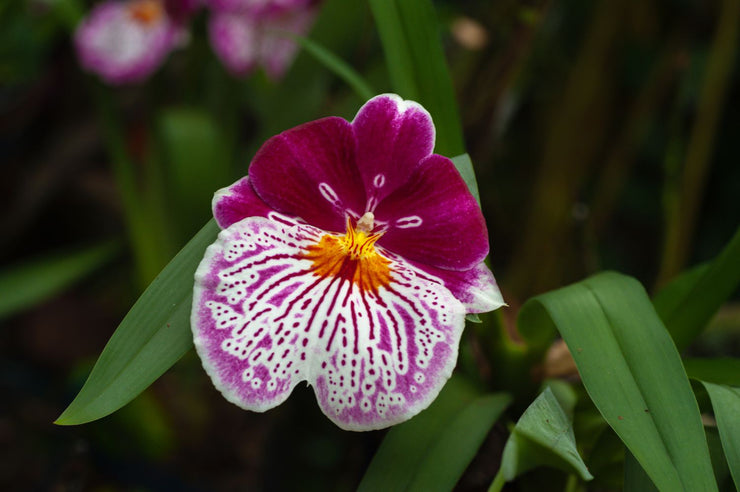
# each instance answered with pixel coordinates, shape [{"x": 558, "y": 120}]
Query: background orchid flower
[
  {"x": 259, "y": 6},
  {"x": 248, "y": 33},
  {"x": 349, "y": 258},
  {"x": 125, "y": 42}
]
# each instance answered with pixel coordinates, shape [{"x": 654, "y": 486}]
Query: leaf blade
[
  {"x": 151, "y": 338},
  {"x": 447, "y": 459},
  {"x": 403, "y": 453},
  {"x": 465, "y": 167},
  {"x": 726, "y": 405},
  {"x": 633, "y": 373},
  {"x": 34, "y": 281},
  {"x": 338, "y": 66},
  {"x": 688, "y": 303},
  {"x": 542, "y": 436},
  {"x": 717, "y": 370}
]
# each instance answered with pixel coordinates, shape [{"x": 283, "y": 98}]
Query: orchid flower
[
  {"x": 349, "y": 257},
  {"x": 125, "y": 42},
  {"x": 249, "y": 33}
]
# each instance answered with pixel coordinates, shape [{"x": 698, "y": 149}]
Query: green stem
[
  {"x": 498, "y": 482},
  {"x": 571, "y": 485},
  {"x": 146, "y": 251}
]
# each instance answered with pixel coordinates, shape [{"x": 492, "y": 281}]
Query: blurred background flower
[
  {"x": 125, "y": 42},
  {"x": 244, "y": 37}
]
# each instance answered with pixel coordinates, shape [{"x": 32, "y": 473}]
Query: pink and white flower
[
  {"x": 249, "y": 33},
  {"x": 259, "y": 6},
  {"x": 124, "y": 42},
  {"x": 348, "y": 258}
]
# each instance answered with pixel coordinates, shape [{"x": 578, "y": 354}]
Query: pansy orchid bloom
[
  {"x": 249, "y": 33},
  {"x": 349, "y": 257},
  {"x": 125, "y": 41}
]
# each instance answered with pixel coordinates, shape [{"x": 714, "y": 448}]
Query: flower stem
[
  {"x": 146, "y": 251},
  {"x": 498, "y": 482}
]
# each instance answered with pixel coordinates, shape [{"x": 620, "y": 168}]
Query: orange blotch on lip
[
  {"x": 146, "y": 11},
  {"x": 351, "y": 257}
]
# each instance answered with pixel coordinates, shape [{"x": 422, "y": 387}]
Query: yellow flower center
[
  {"x": 146, "y": 11},
  {"x": 352, "y": 257}
]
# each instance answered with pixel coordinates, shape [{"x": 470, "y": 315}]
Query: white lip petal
[{"x": 264, "y": 320}]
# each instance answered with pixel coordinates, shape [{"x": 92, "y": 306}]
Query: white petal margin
[
  {"x": 475, "y": 288},
  {"x": 263, "y": 322}
]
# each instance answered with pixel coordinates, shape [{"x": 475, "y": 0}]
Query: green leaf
[
  {"x": 465, "y": 167},
  {"x": 410, "y": 35},
  {"x": 719, "y": 460},
  {"x": 688, "y": 303},
  {"x": 565, "y": 395},
  {"x": 150, "y": 339},
  {"x": 543, "y": 436},
  {"x": 719, "y": 370},
  {"x": 197, "y": 163},
  {"x": 35, "y": 281},
  {"x": 432, "y": 450},
  {"x": 726, "y": 405},
  {"x": 335, "y": 64},
  {"x": 632, "y": 372}
]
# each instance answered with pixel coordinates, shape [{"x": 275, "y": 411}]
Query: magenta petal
[
  {"x": 309, "y": 172},
  {"x": 475, "y": 288},
  {"x": 257, "y": 7},
  {"x": 393, "y": 135},
  {"x": 237, "y": 202},
  {"x": 433, "y": 218},
  {"x": 263, "y": 321}
]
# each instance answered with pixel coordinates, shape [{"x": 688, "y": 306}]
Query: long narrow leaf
[
  {"x": 632, "y": 372},
  {"x": 718, "y": 370},
  {"x": 465, "y": 167},
  {"x": 688, "y": 303},
  {"x": 410, "y": 35},
  {"x": 719, "y": 460},
  {"x": 150, "y": 339},
  {"x": 27, "y": 284},
  {"x": 726, "y": 405},
  {"x": 457, "y": 445},
  {"x": 335, "y": 64},
  {"x": 434, "y": 448}
]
